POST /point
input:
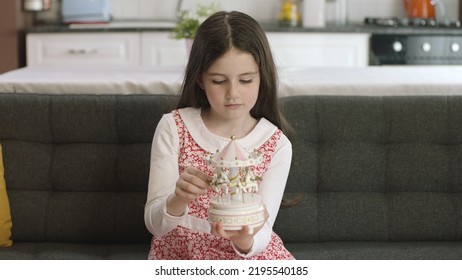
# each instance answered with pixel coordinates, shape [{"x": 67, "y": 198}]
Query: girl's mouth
[{"x": 233, "y": 106}]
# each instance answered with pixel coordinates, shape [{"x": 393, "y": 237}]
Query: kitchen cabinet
[
  {"x": 159, "y": 49},
  {"x": 91, "y": 48},
  {"x": 109, "y": 48},
  {"x": 320, "y": 49},
  {"x": 156, "y": 48}
]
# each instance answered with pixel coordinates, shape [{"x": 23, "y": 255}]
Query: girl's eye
[
  {"x": 215, "y": 82},
  {"x": 246, "y": 81}
]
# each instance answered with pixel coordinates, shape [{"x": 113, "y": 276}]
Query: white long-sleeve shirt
[{"x": 164, "y": 172}]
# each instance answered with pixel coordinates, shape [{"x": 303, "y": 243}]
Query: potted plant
[{"x": 189, "y": 22}]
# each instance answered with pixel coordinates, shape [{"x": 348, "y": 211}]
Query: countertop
[
  {"x": 373, "y": 80},
  {"x": 146, "y": 26}
]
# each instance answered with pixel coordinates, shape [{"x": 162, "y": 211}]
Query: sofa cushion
[
  {"x": 374, "y": 168},
  {"x": 5, "y": 215},
  {"x": 87, "y": 157},
  {"x": 74, "y": 251},
  {"x": 360, "y": 250}
]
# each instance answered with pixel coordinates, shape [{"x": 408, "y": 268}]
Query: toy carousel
[{"x": 236, "y": 204}]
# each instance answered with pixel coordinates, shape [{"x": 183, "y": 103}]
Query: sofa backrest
[
  {"x": 374, "y": 168},
  {"x": 369, "y": 168},
  {"x": 77, "y": 166}
]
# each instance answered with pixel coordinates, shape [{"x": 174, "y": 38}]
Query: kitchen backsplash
[{"x": 264, "y": 11}]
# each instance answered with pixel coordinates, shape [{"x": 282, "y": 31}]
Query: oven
[{"x": 415, "y": 42}]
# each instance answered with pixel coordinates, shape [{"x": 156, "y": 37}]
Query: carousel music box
[{"x": 237, "y": 203}]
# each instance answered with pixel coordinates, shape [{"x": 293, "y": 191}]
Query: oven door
[{"x": 389, "y": 49}]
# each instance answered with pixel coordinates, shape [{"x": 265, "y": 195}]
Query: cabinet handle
[{"x": 82, "y": 51}]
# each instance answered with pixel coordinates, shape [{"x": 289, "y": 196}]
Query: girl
[{"x": 229, "y": 89}]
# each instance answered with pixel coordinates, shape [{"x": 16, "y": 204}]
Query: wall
[
  {"x": 8, "y": 37},
  {"x": 12, "y": 22},
  {"x": 262, "y": 10},
  {"x": 266, "y": 10}
]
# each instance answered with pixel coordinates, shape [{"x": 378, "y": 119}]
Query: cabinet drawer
[
  {"x": 83, "y": 49},
  {"x": 320, "y": 49}
]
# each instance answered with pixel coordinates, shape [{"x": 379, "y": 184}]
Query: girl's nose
[{"x": 232, "y": 91}]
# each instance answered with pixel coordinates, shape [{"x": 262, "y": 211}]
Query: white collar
[{"x": 211, "y": 142}]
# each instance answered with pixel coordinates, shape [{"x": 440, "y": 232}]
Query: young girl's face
[{"x": 231, "y": 84}]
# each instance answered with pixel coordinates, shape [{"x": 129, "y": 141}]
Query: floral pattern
[{"x": 187, "y": 244}]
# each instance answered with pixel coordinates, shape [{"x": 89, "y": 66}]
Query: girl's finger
[
  {"x": 201, "y": 175},
  {"x": 218, "y": 230}
]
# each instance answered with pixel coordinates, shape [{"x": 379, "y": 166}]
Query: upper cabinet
[{"x": 146, "y": 48}]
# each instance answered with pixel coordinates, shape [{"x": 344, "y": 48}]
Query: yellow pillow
[{"x": 5, "y": 215}]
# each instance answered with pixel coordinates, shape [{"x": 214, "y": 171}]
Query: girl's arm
[
  {"x": 162, "y": 178},
  {"x": 271, "y": 188}
]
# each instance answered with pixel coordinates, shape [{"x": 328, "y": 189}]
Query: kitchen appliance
[
  {"x": 313, "y": 13},
  {"x": 36, "y": 5},
  {"x": 86, "y": 11},
  {"x": 420, "y": 8},
  {"x": 340, "y": 12},
  {"x": 404, "y": 41}
]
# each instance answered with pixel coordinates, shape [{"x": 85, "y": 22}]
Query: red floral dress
[{"x": 186, "y": 244}]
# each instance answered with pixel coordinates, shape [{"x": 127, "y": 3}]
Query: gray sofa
[{"x": 378, "y": 177}]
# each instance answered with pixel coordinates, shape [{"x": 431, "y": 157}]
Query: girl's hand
[
  {"x": 241, "y": 239},
  {"x": 190, "y": 185}
]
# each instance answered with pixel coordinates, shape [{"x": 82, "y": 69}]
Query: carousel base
[{"x": 234, "y": 213}]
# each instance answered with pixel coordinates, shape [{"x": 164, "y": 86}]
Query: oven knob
[
  {"x": 397, "y": 46},
  {"x": 426, "y": 47},
  {"x": 455, "y": 47}
]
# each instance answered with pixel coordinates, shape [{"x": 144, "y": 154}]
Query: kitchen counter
[
  {"x": 133, "y": 26},
  {"x": 376, "y": 81}
]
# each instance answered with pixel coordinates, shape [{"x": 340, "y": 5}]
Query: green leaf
[{"x": 189, "y": 23}]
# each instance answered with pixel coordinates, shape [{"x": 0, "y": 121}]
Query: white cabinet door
[
  {"x": 159, "y": 49},
  {"x": 320, "y": 49},
  {"x": 83, "y": 48}
]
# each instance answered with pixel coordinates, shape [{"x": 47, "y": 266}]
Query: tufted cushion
[
  {"x": 87, "y": 160},
  {"x": 375, "y": 169}
]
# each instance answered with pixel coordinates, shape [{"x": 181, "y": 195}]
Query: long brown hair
[{"x": 217, "y": 35}]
